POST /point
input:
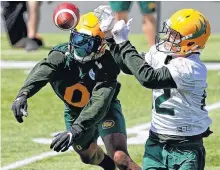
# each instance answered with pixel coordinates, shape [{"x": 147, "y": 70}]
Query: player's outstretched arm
[
  {"x": 91, "y": 114},
  {"x": 144, "y": 73},
  {"x": 114, "y": 48},
  {"x": 120, "y": 47},
  {"x": 98, "y": 105},
  {"x": 39, "y": 76}
]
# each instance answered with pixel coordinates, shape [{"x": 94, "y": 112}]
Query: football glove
[
  {"x": 62, "y": 141},
  {"x": 106, "y": 19},
  {"x": 121, "y": 31},
  {"x": 19, "y": 107}
]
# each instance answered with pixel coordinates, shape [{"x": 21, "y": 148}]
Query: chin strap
[
  {"x": 101, "y": 51},
  {"x": 83, "y": 59}
]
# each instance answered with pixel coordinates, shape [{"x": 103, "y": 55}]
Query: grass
[
  {"x": 138, "y": 40},
  {"x": 46, "y": 112},
  {"x": 46, "y": 116}
]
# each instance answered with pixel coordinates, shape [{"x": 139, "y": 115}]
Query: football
[{"x": 66, "y": 16}]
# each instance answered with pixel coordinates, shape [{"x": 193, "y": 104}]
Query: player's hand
[
  {"x": 19, "y": 107},
  {"x": 62, "y": 141},
  {"x": 106, "y": 19},
  {"x": 121, "y": 31}
]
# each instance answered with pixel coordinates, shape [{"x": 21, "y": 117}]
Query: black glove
[
  {"x": 19, "y": 107},
  {"x": 64, "y": 140}
]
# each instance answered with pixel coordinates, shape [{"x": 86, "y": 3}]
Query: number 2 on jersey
[{"x": 162, "y": 98}]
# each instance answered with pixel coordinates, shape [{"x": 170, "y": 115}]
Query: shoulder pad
[{"x": 63, "y": 48}]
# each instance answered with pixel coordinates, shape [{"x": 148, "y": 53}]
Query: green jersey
[{"x": 86, "y": 89}]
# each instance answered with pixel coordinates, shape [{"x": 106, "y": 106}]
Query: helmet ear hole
[{"x": 190, "y": 44}]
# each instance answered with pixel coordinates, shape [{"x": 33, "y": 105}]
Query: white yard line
[
  {"x": 30, "y": 64},
  {"x": 213, "y": 106},
  {"x": 31, "y": 160},
  {"x": 23, "y": 52},
  {"x": 17, "y": 64},
  {"x": 212, "y": 66},
  {"x": 140, "y": 130}
]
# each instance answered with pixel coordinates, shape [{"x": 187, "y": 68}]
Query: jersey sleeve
[
  {"x": 98, "y": 105},
  {"x": 147, "y": 76},
  {"x": 115, "y": 55},
  {"x": 181, "y": 71},
  {"x": 42, "y": 73}
]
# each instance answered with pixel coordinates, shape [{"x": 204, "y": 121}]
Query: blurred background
[
  {"x": 209, "y": 8},
  {"x": 26, "y": 146}
]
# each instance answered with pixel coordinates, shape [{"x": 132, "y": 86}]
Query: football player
[
  {"x": 173, "y": 69},
  {"x": 83, "y": 74}
]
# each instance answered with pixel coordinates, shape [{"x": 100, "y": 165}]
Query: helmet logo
[{"x": 202, "y": 30}]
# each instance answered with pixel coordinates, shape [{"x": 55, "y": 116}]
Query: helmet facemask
[
  {"x": 168, "y": 40},
  {"x": 85, "y": 47}
]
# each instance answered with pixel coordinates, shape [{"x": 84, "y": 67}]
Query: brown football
[{"x": 66, "y": 16}]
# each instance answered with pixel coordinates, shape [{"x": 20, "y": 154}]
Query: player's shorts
[
  {"x": 113, "y": 122},
  {"x": 190, "y": 156},
  {"x": 146, "y": 7}
]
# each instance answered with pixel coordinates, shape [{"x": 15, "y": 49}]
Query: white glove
[
  {"x": 121, "y": 31},
  {"x": 106, "y": 17}
]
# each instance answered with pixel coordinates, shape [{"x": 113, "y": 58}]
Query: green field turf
[{"x": 46, "y": 112}]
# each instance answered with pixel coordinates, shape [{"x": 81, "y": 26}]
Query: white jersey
[{"x": 180, "y": 111}]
